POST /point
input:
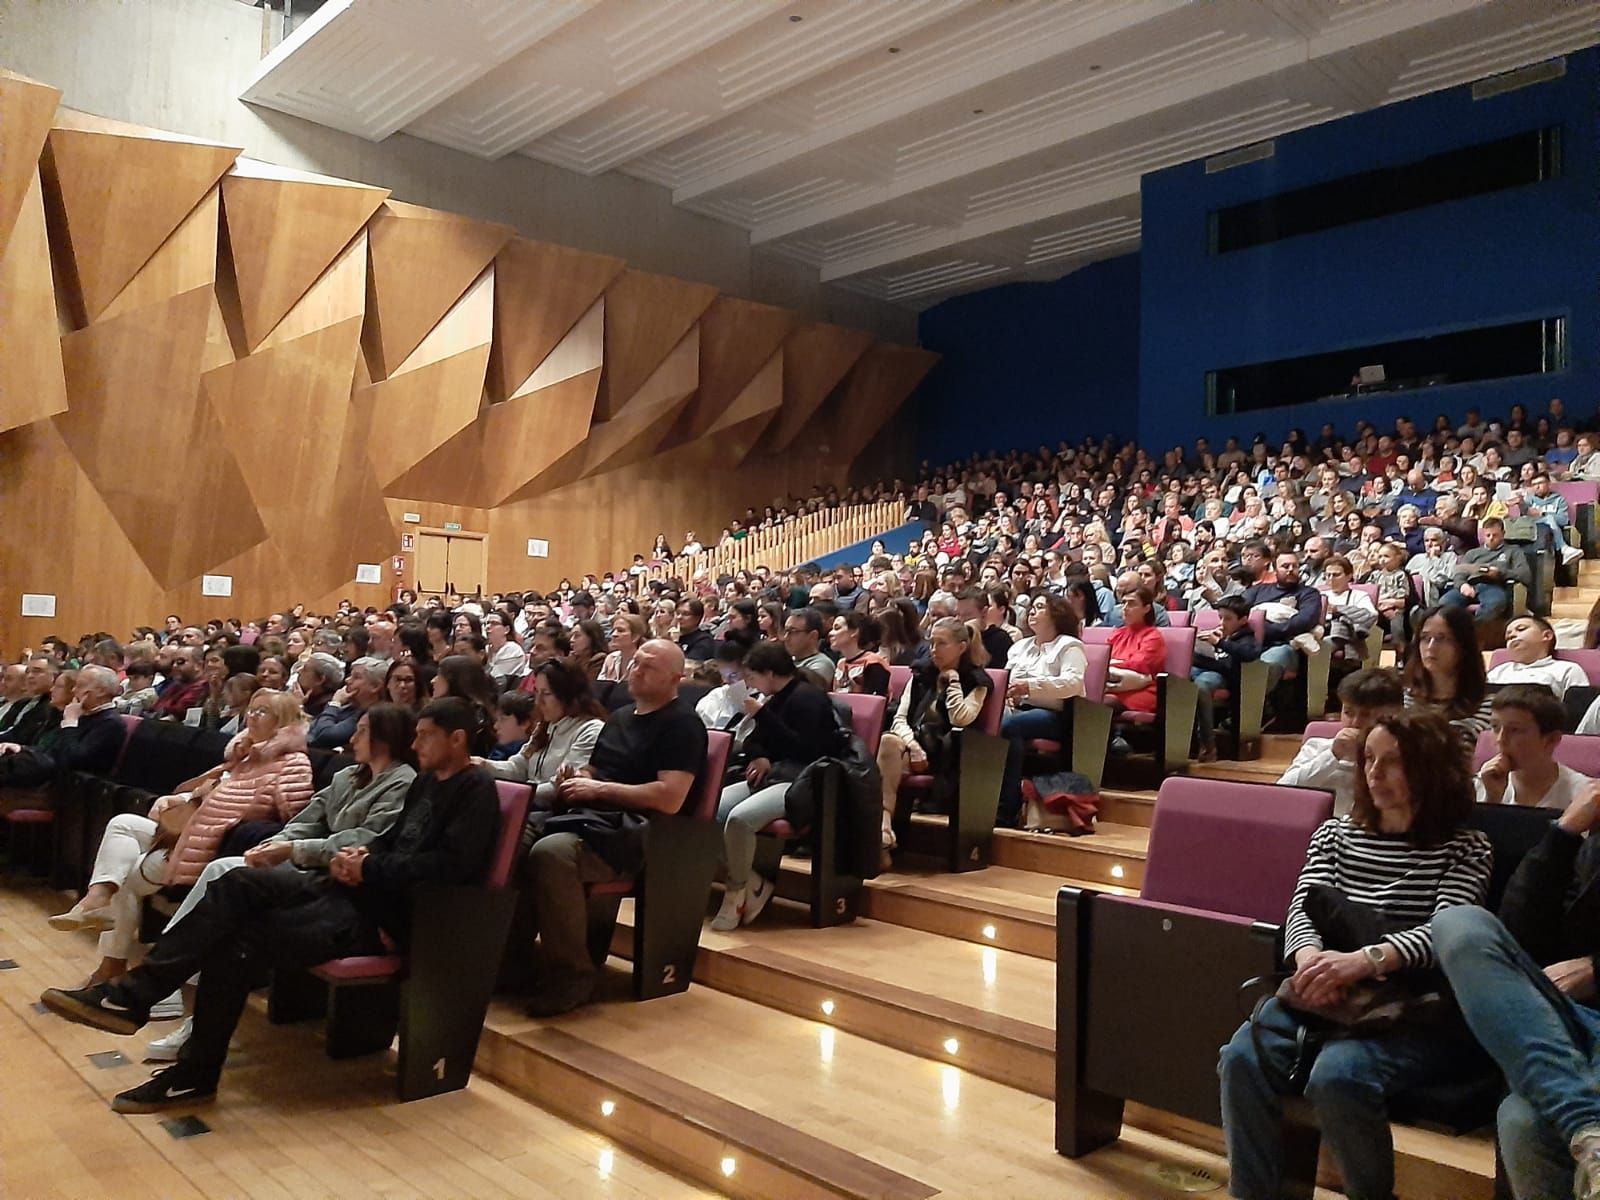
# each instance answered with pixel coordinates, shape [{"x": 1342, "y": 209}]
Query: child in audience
[
  {"x": 1394, "y": 591},
  {"x": 1530, "y": 651},
  {"x": 513, "y": 724},
  {"x": 1365, "y": 696},
  {"x": 1220, "y": 655},
  {"x": 1527, "y": 720}
]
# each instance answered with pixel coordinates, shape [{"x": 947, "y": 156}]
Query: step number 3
[{"x": 438, "y": 1069}]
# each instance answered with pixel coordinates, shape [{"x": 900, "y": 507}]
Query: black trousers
[
  {"x": 250, "y": 918},
  {"x": 26, "y": 768}
]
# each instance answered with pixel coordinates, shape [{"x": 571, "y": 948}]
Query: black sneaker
[
  {"x": 178, "y": 1086},
  {"x": 97, "y": 1005}
]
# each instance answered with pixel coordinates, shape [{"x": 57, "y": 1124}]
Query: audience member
[
  {"x": 1527, "y": 720},
  {"x": 1444, "y": 670},
  {"x": 1530, "y": 654},
  {"x": 1365, "y": 696},
  {"x": 1045, "y": 670}
]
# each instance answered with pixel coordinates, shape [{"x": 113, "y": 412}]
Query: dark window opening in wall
[
  {"x": 1466, "y": 356},
  {"x": 1510, "y": 162}
]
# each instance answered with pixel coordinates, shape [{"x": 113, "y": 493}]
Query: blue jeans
[
  {"x": 1348, "y": 1086},
  {"x": 1205, "y": 709},
  {"x": 1279, "y": 659},
  {"x": 1547, "y": 1046},
  {"x": 1493, "y": 600},
  {"x": 1019, "y": 726}
]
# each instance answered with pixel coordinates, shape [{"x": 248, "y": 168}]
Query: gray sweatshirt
[{"x": 345, "y": 814}]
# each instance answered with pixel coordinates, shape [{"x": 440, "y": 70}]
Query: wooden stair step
[{"x": 1121, "y": 806}]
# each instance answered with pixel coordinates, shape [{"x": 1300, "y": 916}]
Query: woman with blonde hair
[{"x": 628, "y": 633}]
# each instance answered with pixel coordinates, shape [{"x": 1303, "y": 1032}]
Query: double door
[{"x": 450, "y": 562}]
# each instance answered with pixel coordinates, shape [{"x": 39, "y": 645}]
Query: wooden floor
[{"x": 288, "y": 1122}]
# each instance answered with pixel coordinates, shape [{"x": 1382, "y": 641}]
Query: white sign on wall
[
  {"x": 38, "y": 604},
  {"x": 538, "y": 548},
  {"x": 369, "y": 572},
  {"x": 216, "y": 585},
  {"x": 412, "y": 518}
]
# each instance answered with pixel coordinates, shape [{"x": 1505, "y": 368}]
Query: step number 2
[{"x": 438, "y": 1070}]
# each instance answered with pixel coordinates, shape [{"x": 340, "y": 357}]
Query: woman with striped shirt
[{"x": 1403, "y": 854}]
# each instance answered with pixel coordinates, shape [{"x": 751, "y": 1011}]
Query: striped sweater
[{"x": 1404, "y": 882}]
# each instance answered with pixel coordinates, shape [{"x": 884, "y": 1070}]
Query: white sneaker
[
  {"x": 1306, "y": 643},
  {"x": 760, "y": 892},
  {"x": 165, "y": 1049},
  {"x": 169, "y": 1009},
  {"x": 79, "y": 917},
  {"x": 732, "y": 910}
]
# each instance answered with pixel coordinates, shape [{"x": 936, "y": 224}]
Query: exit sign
[{"x": 452, "y": 526}]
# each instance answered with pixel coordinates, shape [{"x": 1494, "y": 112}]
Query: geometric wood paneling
[
  {"x": 634, "y": 434},
  {"x": 133, "y": 384},
  {"x": 121, "y": 191},
  {"x": 646, "y": 318},
  {"x": 878, "y": 385},
  {"x": 32, "y": 385},
  {"x": 26, "y": 109},
  {"x": 284, "y": 228},
  {"x": 185, "y": 261},
  {"x": 737, "y": 339},
  {"x": 438, "y": 390},
  {"x": 421, "y": 260},
  {"x": 541, "y": 292},
  {"x": 741, "y": 425},
  {"x": 815, "y": 359}
]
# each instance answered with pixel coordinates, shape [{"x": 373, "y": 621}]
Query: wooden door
[
  {"x": 433, "y": 563},
  {"x": 466, "y": 566}
]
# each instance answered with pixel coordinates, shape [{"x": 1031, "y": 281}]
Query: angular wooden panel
[
  {"x": 338, "y": 296},
  {"x": 122, "y": 191},
  {"x": 541, "y": 292},
  {"x": 421, "y": 261},
  {"x": 185, "y": 261},
  {"x": 815, "y": 359},
  {"x": 635, "y": 433},
  {"x": 134, "y": 374},
  {"x": 284, "y": 229},
  {"x": 32, "y": 385},
  {"x": 26, "y": 109},
  {"x": 877, "y": 385},
  {"x": 512, "y": 445},
  {"x": 740, "y": 427},
  {"x": 646, "y": 318},
  {"x": 437, "y": 391},
  {"x": 738, "y": 338}
]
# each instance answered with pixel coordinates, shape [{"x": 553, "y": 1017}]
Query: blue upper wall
[
  {"x": 1032, "y": 362},
  {"x": 1124, "y": 346}
]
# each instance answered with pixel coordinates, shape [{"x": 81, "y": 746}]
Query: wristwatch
[{"x": 1376, "y": 957}]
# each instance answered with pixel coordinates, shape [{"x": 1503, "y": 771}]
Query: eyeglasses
[{"x": 258, "y": 711}]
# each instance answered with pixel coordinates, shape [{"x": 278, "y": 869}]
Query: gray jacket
[
  {"x": 345, "y": 814},
  {"x": 572, "y": 741}
]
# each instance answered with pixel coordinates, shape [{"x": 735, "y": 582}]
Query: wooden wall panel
[
  {"x": 32, "y": 385},
  {"x": 738, "y": 430},
  {"x": 633, "y": 434},
  {"x": 738, "y": 338},
  {"x": 187, "y": 260},
  {"x": 541, "y": 292},
  {"x": 815, "y": 359},
  {"x": 422, "y": 260},
  {"x": 26, "y": 110},
  {"x": 285, "y": 229},
  {"x": 646, "y": 317},
  {"x": 120, "y": 191},
  {"x": 877, "y": 385}
]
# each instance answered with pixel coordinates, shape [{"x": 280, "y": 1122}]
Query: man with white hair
[
  {"x": 13, "y": 690},
  {"x": 89, "y": 737},
  {"x": 364, "y": 688},
  {"x": 317, "y": 677}
]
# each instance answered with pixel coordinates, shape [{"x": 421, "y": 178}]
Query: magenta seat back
[
  {"x": 899, "y": 681},
  {"x": 1320, "y": 729},
  {"x": 866, "y": 718},
  {"x": 1097, "y": 635},
  {"x": 1499, "y": 656},
  {"x": 994, "y": 704},
  {"x": 514, "y": 800},
  {"x": 1580, "y": 752},
  {"x": 129, "y": 724},
  {"x": 1098, "y": 655},
  {"x": 1180, "y": 651},
  {"x": 1182, "y": 618},
  {"x": 1371, "y": 589},
  {"x": 1206, "y": 619},
  {"x": 1234, "y": 848},
  {"x": 1257, "y": 620},
  {"x": 1589, "y": 660},
  {"x": 707, "y": 790},
  {"x": 1579, "y": 491}
]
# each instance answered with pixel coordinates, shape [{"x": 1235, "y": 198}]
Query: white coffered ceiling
[{"x": 907, "y": 149}]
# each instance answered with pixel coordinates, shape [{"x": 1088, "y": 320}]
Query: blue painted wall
[
  {"x": 1124, "y": 346},
  {"x": 1032, "y": 362}
]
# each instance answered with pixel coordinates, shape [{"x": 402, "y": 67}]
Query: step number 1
[{"x": 438, "y": 1070}]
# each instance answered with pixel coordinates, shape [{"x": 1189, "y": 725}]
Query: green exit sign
[{"x": 452, "y": 526}]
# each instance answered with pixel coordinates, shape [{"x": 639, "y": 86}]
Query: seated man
[
  {"x": 1549, "y": 508},
  {"x": 337, "y": 724},
  {"x": 34, "y": 714},
  {"x": 1527, "y": 720},
  {"x": 802, "y": 638},
  {"x": 1330, "y": 763},
  {"x": 1485, "y": 575},
  {"x": 317, "y": 678},
  {"x": 1531, "y": 646},
  {"x": 13, "y": 691},
  {"x": 1525, "y": 983},
  {"x": 644, "y": 762},
  {"x": 1293, "y": 611},
  {"x": 272, "y": 916},
  {"x": 88, "y": 738},
  {"x": 186, "y": 686}
]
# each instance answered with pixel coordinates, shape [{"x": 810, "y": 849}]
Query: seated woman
[
  {"x": 464, "y": 677},
  {"x": 1363, "y": 909},
  {"x": 795, "y": 724},
  {"x": 359, "y": 803},
  {"x": 861, "y": 670},
  {"x": 1046, "y": 670},
  {"x": 1138, "y": 654},
  {"x": 628, "y": 633},
  {"x": 407, "y": 682},
  {"x": 946, "y": 693},
  {"x": 265, "y": 775},
  {"x": 569, "y": 721},
  {"x": 1444, "y": 671}
]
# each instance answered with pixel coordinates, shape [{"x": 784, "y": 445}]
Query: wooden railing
[{"x": 798, "y": 540}]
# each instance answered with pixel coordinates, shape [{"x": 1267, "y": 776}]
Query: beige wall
[{"x": 180, "y": 65}]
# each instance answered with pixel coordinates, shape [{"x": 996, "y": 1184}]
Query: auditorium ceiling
[{"x": 905, "y": 149}]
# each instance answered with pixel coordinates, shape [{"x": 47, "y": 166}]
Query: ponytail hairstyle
[
  {"x": 971, "y": 639},
  {"x": 466, "y": 680}
]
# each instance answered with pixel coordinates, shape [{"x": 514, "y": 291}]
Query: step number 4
[{"x": 438, "y": 1070}]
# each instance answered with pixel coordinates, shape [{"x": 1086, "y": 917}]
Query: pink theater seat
[{"x": 1579, "y": 751}]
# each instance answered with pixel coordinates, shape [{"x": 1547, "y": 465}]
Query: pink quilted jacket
[{"x": 269, "y": 782}]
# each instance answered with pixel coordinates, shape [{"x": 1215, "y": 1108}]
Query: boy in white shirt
[
  {"x": 1330, "y": 763},
  {"x": 1531, "y": 646},
  {"x": 1527, "y": 729}
]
